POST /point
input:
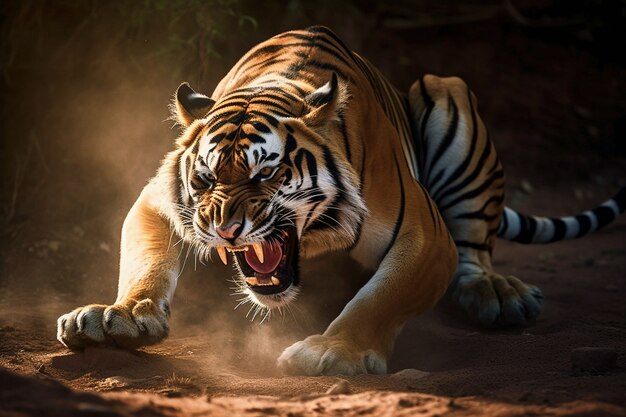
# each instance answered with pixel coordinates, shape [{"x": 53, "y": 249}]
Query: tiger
[{"x": 305, "y": 148}]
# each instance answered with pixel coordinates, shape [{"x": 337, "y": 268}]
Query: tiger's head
[{"x": 264, "y": 179}]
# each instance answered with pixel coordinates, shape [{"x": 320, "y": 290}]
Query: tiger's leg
[
  {"x": 148, "y": 273},
  {"x": 411, "y": 278},
  {"x": 460, "y": 169}
]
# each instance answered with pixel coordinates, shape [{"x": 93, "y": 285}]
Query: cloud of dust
[{"x": 204, "y": 307}]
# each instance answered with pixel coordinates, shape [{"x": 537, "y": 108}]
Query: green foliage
[{"x": 185, "y": 32}]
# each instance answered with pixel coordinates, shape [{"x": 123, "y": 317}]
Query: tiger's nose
[{"x": 230, "y": 232}]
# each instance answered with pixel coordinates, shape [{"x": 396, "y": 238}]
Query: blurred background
[{"x": 85, "y": 86}]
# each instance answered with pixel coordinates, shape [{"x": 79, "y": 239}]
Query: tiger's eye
[
  {"x": 266, "y": 171},
  {"x": 202, "y": 181}
]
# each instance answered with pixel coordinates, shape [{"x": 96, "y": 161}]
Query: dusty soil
[
  {"x": 216, "y": 362},
  {"x": 554, "y": 102}
]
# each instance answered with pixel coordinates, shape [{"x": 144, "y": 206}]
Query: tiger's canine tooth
[
  {"x": 252, "y": 281},
  {"x": 275, "y": 281},
  {"x": 258, "y": 249},
  {"x": 222, "y": 253}
]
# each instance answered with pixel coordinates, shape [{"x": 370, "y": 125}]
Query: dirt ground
[
  {"x": 554, "y": 102},
  {"x": 442, "y": 365}
]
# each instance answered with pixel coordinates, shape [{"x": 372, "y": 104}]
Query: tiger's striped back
[{"x": 396, "y": 108}]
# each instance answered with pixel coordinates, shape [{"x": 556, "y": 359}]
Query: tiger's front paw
[
  {"x": 129, "y": 326},
  {"x": 322, "y": 355},
  {"x": 498, "y": 301}
]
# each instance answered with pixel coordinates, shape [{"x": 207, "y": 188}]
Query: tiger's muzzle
[{"x": 272, "y": 266}]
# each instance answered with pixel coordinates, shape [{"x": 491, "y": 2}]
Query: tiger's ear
[
  {"x": 190, "y": 105},
  {"x": 323, "y": 105}
]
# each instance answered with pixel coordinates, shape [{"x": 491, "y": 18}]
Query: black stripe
[
  {"x": 448, "y": 137},
  {"x": 261, "y": 127},
  {"x": 584, "y": 225},
  {"x": 218, "y": 125},
  {"x": 268, "y": 49},
  {"x": 332, "y": 168},
  {"x": 496, "y": 160},
  {"x": 264, "y": 222},
  {"x": 268, "y": 117},
  {"x": 527, "y": 229},
  {"x": 296, "y": 87},
  {"x": 178, "y": 186},
  {"x": 361, "y": 186},
  {"x": 476, "y": 191},
  {"x": 311, "y": 165},
  {"x": 480, "y": 213},
  {"x": 297, "y": 162},
  {"x": 290, "y": 146},
  {"x": 435, "y": 219},
  {"x": 286, "y": 97},
  {"x": 274, "y": 99},
  {"x": 195, "y": 147},
  {"x": 331, "y": 34},
  {"x": 217, "y": 138},
  {"x": 472, "y": 245},
  {"x": 430, "y": 104},
  {"x": 431, "y": 209},
  {"x": 261, "y": 89},
  {"x": 344, "y": 133},
  {"x": 559, "y": 229},
  {"x": 605, "y": 215},
  {"x": 253, "y": 138},
  {"x": 223, "y": 115},
  {"x": 272, "y": 104},
  {"x": 313, "y": 41},
  {"x": 295, "y": 69},
  {"x": 229, "y": 103},
  {"x": 400, "y": 218},
  {"x": 288, "y": 176},
  {"x": 431, "y": 183},
  {"x": 239, "y": 118},
  {"x": 466, "y": 162},
  {"x": 332, "y": 212}
]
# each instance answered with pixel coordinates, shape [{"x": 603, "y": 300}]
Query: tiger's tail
[{"x": 521, "y": 228}]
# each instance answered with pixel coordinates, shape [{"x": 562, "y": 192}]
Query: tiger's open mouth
[{"x": 269, "y": 267}]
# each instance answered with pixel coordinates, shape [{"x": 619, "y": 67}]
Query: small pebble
[
  {"x": 526, "y": 187},
  {"x": 410, "y": 373},
  {"x": 594, "y": 359},
  {"x": 403, "y": 402},
  {"x": 341, "y": 387}
]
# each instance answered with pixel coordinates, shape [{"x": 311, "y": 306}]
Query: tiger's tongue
[{"x": 272, "y": 254}]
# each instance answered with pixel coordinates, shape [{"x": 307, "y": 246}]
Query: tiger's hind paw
[
  {"x": 498, "y": 301},
  {"x": 127, "y": 326}
]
